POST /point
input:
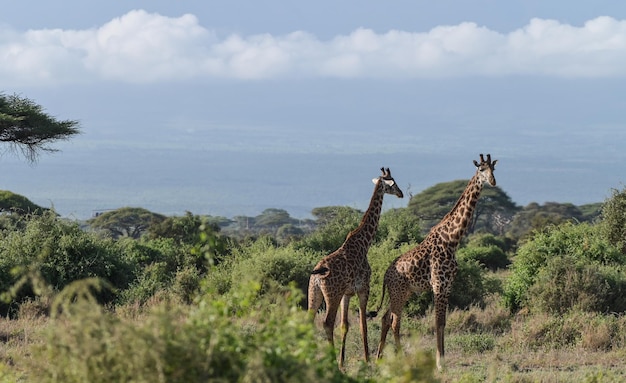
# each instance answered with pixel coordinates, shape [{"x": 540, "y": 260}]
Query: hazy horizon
[{"x": 229, "y": 108}]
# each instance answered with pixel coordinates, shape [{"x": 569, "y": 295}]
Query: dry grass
[
  {"x": 16, "y": 339},
  {"x": 482, "y": 345},
  {"x": 490, "y": 345}
]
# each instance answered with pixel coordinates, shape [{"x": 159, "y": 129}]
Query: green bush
[
  {"x": 569, "y": 284},
  {"x": 614, "y": 219},
  {"x": 152, "y": 279},
  {"x": 583, "y": 243},
  {"x": 591, "y": 331},
  {"x": 270, "y": 264},
  {"x": 242, "y": 337},
  {"x": 469, "y": 286},
  {"x": 399, "y": 226},
  {"x": 491, "y": 257},
  {"x": 332, "y": 231},
  {"x": 48, "y": 252}
]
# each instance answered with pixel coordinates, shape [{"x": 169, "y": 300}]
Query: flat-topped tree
[{"x": 28, "y": 129}]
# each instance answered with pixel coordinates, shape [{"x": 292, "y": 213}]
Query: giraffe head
[
  {"x": 388, "y": 183},
  {"x": 486, "y": 169}
]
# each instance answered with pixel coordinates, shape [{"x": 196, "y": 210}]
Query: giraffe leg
[
  {"x": 363, "y": 297},
  {"x": 396, "y": 320},
  {"x": 384, "y": 329},
  {"x": 332, "y": 305},
  {"x": 441, "y": 306},
  {"x": 345, "y": 325},
  {"x": 397, "y": 300}
]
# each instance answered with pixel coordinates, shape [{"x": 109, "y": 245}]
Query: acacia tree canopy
[
  {"x": 15, "y": 203},
  {"x": 28, "y": 129},
  {"x": 494, "y": 210},
  {"x": 126, "y": 222}
]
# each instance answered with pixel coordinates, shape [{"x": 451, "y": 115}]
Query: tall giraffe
[
  {"x": 345, "y": 272},
  {"x": 432, "y": 264}
]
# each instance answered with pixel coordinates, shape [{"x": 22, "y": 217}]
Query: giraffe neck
[
  {"x": 454, "y": 225},
  {"x": 364, "y": 234}
]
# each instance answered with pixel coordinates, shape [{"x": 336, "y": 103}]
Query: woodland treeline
[{"x": 141, "y": 253}]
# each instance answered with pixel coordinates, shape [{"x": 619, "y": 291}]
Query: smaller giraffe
[
  {"x": 346, "y": 271},
  {"x": 432, "y": 264}
]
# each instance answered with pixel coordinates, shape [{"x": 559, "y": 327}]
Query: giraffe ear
[
  {"x": 493, "y": 164},
  {"x": 389, "y": 182},
  {"x": 375, "y": 180}
]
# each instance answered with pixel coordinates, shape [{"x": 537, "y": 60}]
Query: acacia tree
[
  {"x": 15, "y": 203},
  {"x": 535, "y": 216},
  {"x": 126, "y": 222},
  {"x": 28, "y": 129},
  {"x": 493, "y": 213}
]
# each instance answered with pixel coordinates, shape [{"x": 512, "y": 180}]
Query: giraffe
[
  {"x": 345, "y": 272},
  {"x": 432, "y": 264}
]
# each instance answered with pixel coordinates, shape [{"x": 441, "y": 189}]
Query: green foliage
[
  {"x": 535, "y": 217},
  {"x": 273, "y": 218},
  {"x": 25, "y": 126},
  {"x": 289, "y": 233},
  {"x": 614, "y": 219},
  {"x": 51, "y": 252},
  {"x": 151, "y": 279},
  {"x": 269, "y": 264},
  {"x": 244, "y": 337},
  {"x": 590, "y": 331},
  {"x": 472, "y": 343},
  {"x": 567, "y": 283},
  {"x": 334, "y": 224},
  {"x": 15, "y": 203},
  {"x": 185, "y": 229},
  {"x": 380, "y": 256},
  {"x": 470, "y": 286},
  {"x": 591, "y": 212},
  {"x": 491, "y": 257},
  {"x": 492, "y": 211},
  {"x": 399, "y": 226},
  {"x": 582, "y": 242},
  {"x": 126, "y": 222},
  {"x": 407, "y": 368},
  {"x": 164, "y": 265}
]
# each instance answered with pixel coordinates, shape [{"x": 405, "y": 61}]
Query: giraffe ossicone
[{"x": 346, "y": 271}]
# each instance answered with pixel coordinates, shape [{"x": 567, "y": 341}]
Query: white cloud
[{"x": 146, "y": 47}]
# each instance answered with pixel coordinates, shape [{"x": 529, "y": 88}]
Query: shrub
[
  {"x": 335, "y": 224},
  {"x": 473, "y": 343},
  {"x": 469, "y": 286},
  {"x": 152, "y": 279},
  {"x": 244, "y": 336},
  {"x": 491, "y": 257},
  {"x": 582, "y": 242},
  {"x": 487, "y": 249},
  {"x": 614, "y": 219},
  {"x": 592, "y": 331},
  {"x": 281, "y": 265},
  {"x": 566, "y": 283},
  {"x": 399, "y": 226},
  {"x": 51, "y": 253}
]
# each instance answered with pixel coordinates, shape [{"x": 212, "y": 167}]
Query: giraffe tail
[
  {"x": 373, "y": 314},
  {"x": 321, "y": 270}
]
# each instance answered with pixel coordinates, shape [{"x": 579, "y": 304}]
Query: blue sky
[{"x": 301, "y": 103}]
